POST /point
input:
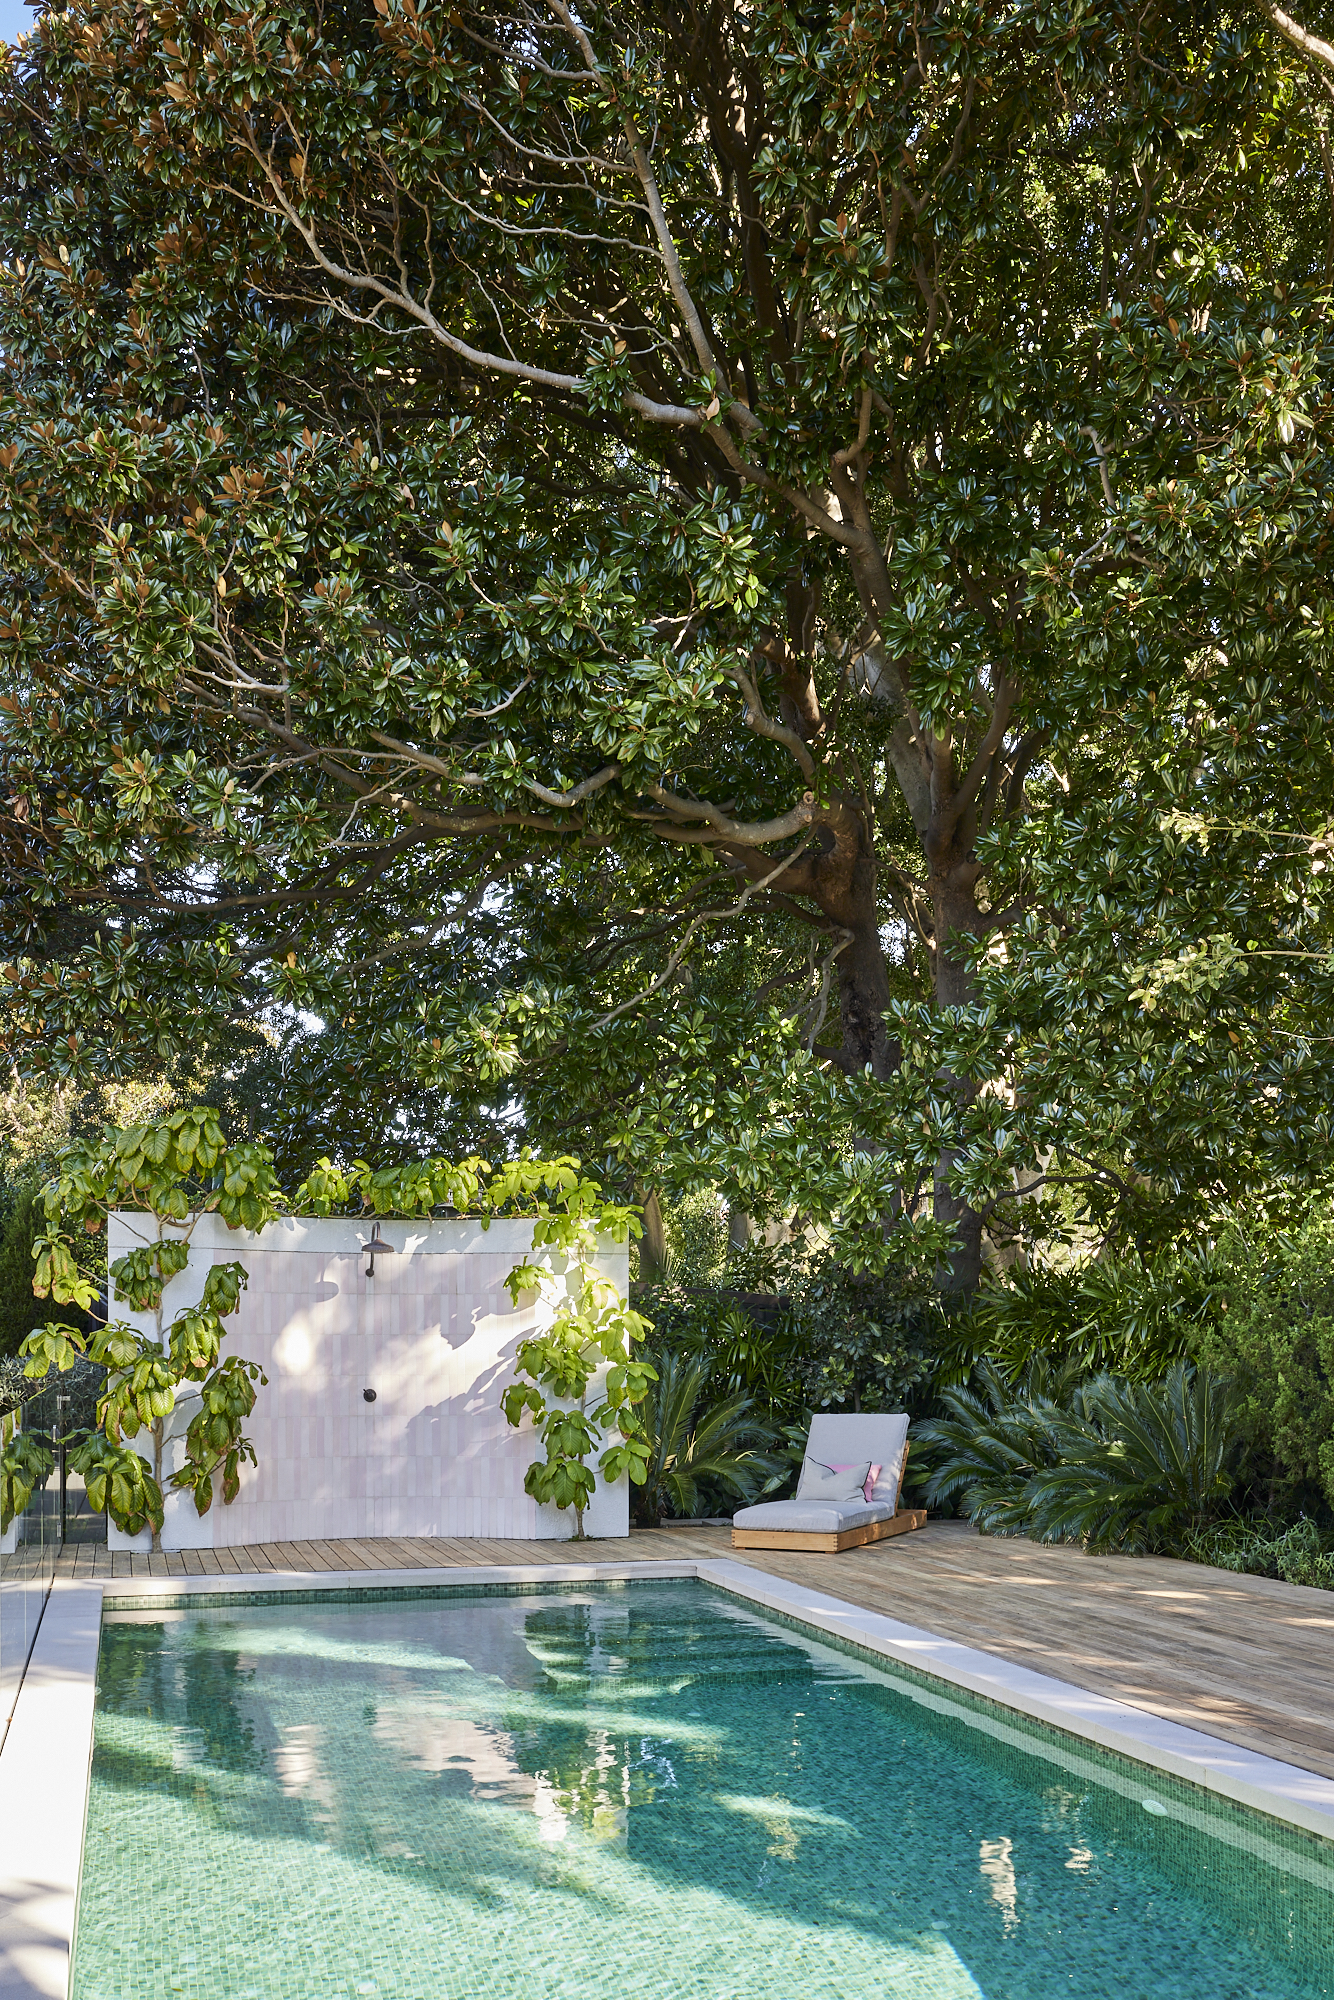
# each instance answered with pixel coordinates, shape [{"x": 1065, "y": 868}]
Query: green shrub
[
  {"x": 697, "y": 1446},
  {"x": 739, "y": 1355},
  {"x": 859, "y": 1342},
  {"x": 1112, "y": 1464},
  {"x": 16, "y": 1387},
  {"x": 20, "y": 1309},
  {"x": 994, "y": 1437},
  {"x": 1299, "y": 1554},
  {"x": 1139, "y": 1464},
  {"x": 1119, "y": 1317},
  {"x": 797, "y": 1331},
  {"x": 1274, "y": 1334}
]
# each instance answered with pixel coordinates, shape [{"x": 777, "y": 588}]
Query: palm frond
[
  {"x": 722, "y": 1442},
  {"x": 1146, "y": 1462},
  {"x": 1113, "y": 1464},
  {"x": 993, "y": 1442}
]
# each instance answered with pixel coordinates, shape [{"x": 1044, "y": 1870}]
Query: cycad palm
[
  {"x": 1112, "y": 1464},
  {"x": 723, "y": 1443},
  {"x": 1140, "y": 1464},
  {"x": 995, "y": 1438}
]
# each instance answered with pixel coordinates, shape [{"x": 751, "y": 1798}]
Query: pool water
[{"x": 645, "y": 1790}]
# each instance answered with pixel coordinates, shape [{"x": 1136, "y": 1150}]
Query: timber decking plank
[
  {"x": 285, "y": 1555},
  {"x": 368, "y": 1550},
  {"x": 343, "y": 1555},
  {"x": 313, "y": 1555},
  {"x": 409, "y": 1553}
]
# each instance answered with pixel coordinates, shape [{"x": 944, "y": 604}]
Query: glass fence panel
[{"x": 27, "y": 1563}]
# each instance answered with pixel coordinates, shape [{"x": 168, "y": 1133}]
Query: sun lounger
[{"x": 825, "y": 1525}]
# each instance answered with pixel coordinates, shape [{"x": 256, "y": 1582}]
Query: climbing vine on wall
[
  {"x": 171, "y": 1173},
  {"x": 180, "y": 1169},
  {"x": 591, "y": 1329}
]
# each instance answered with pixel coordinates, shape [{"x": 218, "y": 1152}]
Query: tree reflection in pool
[{"x": 645, "y": 1789}]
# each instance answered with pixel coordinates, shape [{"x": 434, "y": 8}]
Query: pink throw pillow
[{"x": 871, "y": 1477}]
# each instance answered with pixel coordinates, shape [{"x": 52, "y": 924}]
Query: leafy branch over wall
[{"x": 181, "y": 1169}]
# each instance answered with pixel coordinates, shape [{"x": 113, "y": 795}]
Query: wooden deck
[{"x": 1238, "y": 1656}]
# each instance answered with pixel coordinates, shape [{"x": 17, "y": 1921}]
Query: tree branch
[
  {"x": 1310, "y": 45},
  {"x": 763, "y": 724},
  {"x": 582, "y": 791},
  {"x": 704, "y": 917},
  {"x": 757, "y": 834}
]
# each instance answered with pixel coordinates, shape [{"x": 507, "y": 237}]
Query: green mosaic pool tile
[
  {"x": 647, "y": 1791},
  {"x": 1228, "y": 1818}
]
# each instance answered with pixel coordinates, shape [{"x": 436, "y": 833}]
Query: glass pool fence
[{"x": 29, "y": 1545}]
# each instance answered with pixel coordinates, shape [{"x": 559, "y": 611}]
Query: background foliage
[
  {"x": 738, "y": 589},
  {"x": 1273, "y": 1333},
  {"x": 824, "y": 627}
]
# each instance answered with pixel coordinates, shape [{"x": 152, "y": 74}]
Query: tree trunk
[
  {"x": 842, "y": 880},
  {"x": 863, "y": 996},
  {"x": 157, "y": 1436},
  {"x": 955, "y": 908},
  {"x": 653, "y": 1243}
]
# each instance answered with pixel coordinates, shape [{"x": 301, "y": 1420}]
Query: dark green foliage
[
  {"x": 993, "y": 1438},
  {"x": 696, "y": 1230},
  {"x": 1139, "y": 1464},
  {"x": 741, "y": 1355},
  {"x": 933, "y": 507},
  {"x": 1120, "y": 1316},
  {"x": 25, "y": 1463},
  {"x": 15, "y": 1386},
  {"x": 699, "y": 1448},
  {"x": 1299, "y": 1554},
  {"x": 1112, "y": 1465},
  {"x": 859, "y": 1342},
  {"x": 20, "y": 1309},
  {"x": 818, "y": 1336},
  {"x": 1275, "y": 1335}
]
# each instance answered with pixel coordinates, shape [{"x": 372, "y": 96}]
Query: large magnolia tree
[{"x": 741, "y": 582}]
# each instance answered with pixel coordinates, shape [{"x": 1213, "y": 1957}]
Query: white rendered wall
[{"x": 433, "y": 1333}]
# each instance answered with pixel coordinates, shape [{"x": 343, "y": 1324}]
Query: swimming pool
[{"x": 644, "y": 1789}]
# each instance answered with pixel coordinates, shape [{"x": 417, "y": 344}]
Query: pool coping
[
  {"x": 44, "y": 1772},
  {"x": 46, "y": 1761}
]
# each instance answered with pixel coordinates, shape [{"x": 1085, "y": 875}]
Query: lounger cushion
[
  {"x": 836, "y": 1439},
  {"x": 811, "y": 1517},
  {"x": 868, "y": 1484},
  {"x": 833, "y": 1482}
]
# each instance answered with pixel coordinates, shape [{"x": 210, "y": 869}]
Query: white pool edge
[
  {"x": 44, "y": 1771},
  {"x": 1284, "y": 1791},
  {"x": 47, "y": 1756}
]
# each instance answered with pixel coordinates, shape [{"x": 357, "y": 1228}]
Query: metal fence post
[{"x": 62, "y": 1425}]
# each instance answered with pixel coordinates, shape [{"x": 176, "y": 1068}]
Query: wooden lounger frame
[{"x": 901, "y": 1523}]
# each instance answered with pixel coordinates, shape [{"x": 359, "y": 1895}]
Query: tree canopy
[{"x": 738, "y": 586}]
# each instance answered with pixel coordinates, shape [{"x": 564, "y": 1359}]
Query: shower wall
[{"x": 432, "y": 1334}]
